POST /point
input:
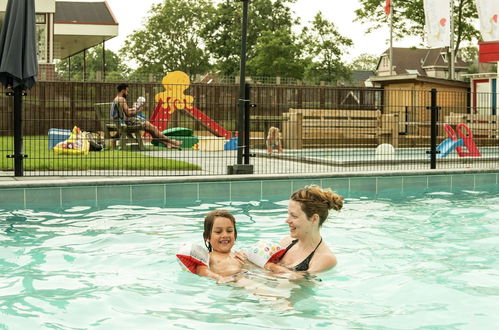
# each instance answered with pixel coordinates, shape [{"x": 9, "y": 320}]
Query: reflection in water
[{"x": 283, "y": 292}]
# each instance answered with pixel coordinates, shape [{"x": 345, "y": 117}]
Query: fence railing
[{"x": 320, "y": 129}]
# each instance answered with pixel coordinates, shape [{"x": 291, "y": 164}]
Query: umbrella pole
[{"x": 18, "y": 131}]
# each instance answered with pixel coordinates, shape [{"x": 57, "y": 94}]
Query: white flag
[
  {"x": 437, "y": 19},
  {"x": 488, "y": 12}
]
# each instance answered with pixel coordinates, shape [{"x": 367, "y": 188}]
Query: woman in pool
[
  {"x": 305, "y": 250},
  {"x": 220, "y": 235}
]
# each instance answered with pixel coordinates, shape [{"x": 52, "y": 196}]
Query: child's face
[{"x": 222, "y": 236}]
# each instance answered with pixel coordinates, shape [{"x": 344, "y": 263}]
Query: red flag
[{"x": 387, "y": 7}]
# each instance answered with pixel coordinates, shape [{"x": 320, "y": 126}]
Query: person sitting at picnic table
[{"x": 132, "y": 120}]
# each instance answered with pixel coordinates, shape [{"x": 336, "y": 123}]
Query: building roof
[
  {"x": 82, "y": 25},
  {"x": 361, "y": 75},
  {"x": 407, "y": 59},
  {"x": 83, "y": 13},
  {"x": 388, "y": 80},
  {"x": 417, "y": 60},
  {"x": 434, "y": 58}
]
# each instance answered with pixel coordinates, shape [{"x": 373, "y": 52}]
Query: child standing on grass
[{"x": 274, "y": 140}]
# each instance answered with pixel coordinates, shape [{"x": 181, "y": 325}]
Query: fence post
[
  {"x": 434, "y": 129},
  {"x": 18, "y": 132},
  {"x": 247, "y": 107}
]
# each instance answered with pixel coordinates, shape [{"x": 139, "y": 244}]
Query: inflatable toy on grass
[
  {"x": 182, "y": 134},
  {"x": 76, "y": 144}
]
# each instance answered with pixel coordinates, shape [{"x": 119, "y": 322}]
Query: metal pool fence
[{"x": 319, "y": 129}]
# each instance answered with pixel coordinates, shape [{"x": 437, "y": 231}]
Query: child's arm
[{"x": 205, "y": 271}]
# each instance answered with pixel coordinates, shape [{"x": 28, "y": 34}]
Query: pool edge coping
[{"x": 37, "y": 182}]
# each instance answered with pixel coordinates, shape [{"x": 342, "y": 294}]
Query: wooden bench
[
  {"x": 322, "y": 128},
  {"x": 115, "y": 130},
  {"x": 482, "y": 126}
]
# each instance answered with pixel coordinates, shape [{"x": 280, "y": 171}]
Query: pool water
[
  {"x": 425, "y": 260},
  {"x": 403, "y": 155}
]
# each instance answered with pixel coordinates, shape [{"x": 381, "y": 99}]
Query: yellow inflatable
[{"x": 76, "y": 144}]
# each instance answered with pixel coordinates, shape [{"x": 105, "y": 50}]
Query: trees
[
  {"x": 170, "y": 39},
  {"x": 197, "y": 36},
  {"x": 325, "y": 45},
  {"x": 222, "y": 33},
  {"x": 277, "y": 53},
  {"x": 115, "y": 69},
  {"x": 365, "y": 62},
  {"x": 409, "y": 19}
]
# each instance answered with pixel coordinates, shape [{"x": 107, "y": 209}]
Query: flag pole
[
  {"x": 391, "y": 37},
  {"x": 451, "y": 43}
]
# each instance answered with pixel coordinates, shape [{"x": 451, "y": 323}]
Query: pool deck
[{"x": 215, "y": 165}]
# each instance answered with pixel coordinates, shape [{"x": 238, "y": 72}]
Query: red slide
[
  {"x": 468, "y": 143},
  {"x": 161, "y": 117},
  {"x": 472, "y": 149},
  {"x": 208, "y": 123}
]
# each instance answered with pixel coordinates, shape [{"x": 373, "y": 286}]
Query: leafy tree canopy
[
  {"x": 199, "y": 36},
  {"x": 325, "y": 46},
  {"x": 170, "y": 39},
  {"x": 115, "y": 68},
  {"x": 365, "y": 62},
  {"x": 277, "y": 53},
  {"x": 222, "y": 33}
]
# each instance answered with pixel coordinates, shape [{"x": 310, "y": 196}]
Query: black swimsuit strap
[
  {"x": 291, "y": 245},
  {"x": 302, "y": 266}
]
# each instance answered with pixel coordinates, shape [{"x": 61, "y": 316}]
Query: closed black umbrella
[{"x": 18, "y": 62}]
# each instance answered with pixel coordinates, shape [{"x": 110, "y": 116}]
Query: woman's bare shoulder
[{"x": 323, "y": 260}]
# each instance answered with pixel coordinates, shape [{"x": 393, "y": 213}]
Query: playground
[{"x": 322, "y": 129}]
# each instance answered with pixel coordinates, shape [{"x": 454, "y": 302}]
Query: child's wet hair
[{"x": 209, "y": 219}]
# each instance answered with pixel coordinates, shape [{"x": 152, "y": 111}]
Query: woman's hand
[
  {"x": 241, "y": 257},
  {"x": 275, "y": 268}
]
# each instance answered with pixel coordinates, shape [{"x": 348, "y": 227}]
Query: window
[{"x": 41, "y": 32}]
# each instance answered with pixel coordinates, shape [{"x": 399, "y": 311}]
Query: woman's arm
[{"x": 322, "y": 262}]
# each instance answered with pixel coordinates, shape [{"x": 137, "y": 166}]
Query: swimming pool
[
  {"x": 349, "y": 156},
  {"x": 406, "y": 260}
]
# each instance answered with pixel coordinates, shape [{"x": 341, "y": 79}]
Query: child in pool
[
  {"x": 220, "y": 236},
  {"x": 274, "y": 140}
]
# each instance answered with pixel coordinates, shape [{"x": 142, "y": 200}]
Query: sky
[{"x": 131, "y": 13}]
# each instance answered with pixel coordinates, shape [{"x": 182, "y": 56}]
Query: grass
[{"x": 42, "y": 159}]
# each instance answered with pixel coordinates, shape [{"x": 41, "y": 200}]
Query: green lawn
[{"x": 42, "y": 159}]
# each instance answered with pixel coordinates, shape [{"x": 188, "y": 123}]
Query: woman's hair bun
[{"x": 334, "y": 200}]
